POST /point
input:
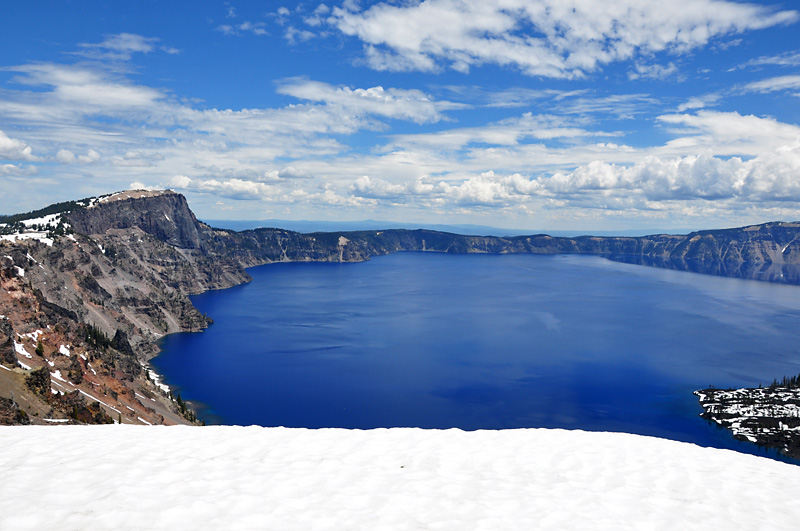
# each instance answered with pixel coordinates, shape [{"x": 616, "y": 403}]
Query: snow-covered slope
[{"x": 127, "y": 477}]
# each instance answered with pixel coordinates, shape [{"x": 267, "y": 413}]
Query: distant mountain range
[{"x": 371, "y": 224}]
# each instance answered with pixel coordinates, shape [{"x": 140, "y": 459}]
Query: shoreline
[{"x": 766, "y": 416}]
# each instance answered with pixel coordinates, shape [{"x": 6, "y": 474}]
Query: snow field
[
  {"x": 229, "y": 477},
  {"x": 41, "y": 236}
]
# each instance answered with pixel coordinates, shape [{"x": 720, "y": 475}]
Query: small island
[{"x": 768, "y": 416}]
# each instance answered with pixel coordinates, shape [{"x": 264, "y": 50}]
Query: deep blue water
[{"x": 483, "y": 341}]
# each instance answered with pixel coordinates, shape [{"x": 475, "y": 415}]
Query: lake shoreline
[{"x": 337, "y": 297}]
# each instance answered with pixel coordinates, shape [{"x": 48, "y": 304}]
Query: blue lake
[{"x": 483, "y": 342}]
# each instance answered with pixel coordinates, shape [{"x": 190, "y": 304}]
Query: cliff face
[
  {"x": 164, "y": 215},
  {"x": 98, "y": 300}
]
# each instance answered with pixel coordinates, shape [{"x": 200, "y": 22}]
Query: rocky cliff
[
  {"x": 164, "y": 215},
  {"x": 88, "y": 287}
]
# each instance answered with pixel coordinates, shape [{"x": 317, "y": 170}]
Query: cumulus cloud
[
  {"x": 317, "y": 18},
  {"x": 728, "y": 133},
  {"x": 64, "y": 156},
  {"x": 237, "y": 171},
  {"x": 550, "y": 38},
  {"x": 297, "y": 156},
  {"x": 645, "y": 71},
  {"x": 13, "y": 149},
  {"x": 17, "y": 170},
  {"x": 733, "y": 160},
  {"x": 138, "y": 185},
  {"x": 769, "y": 178},
  {"x": 256, "y": 28},
  {"x": 290, "y": 172},
  {"x": 366, "y": 187},
  {"x": 294, "y": 35},
  {"x": 231, "y": 188},
  {"x": 137, "y": 158}
]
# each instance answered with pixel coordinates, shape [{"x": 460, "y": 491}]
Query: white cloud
[
  {"x": 290, "y": 172},
  {"x": 769, "y": 177},
  {"x": 64, "y": 156},
  {"x": 699, "y": 102},
  {"x": 785, "y": 59},
  {"x": 733, "y": 161},
  {"x": 366, "y": 187},
  {"x": 137, "y": 158},
  {"x": 728, "y": 133},
  {"x": 138, "y": 185},
  {"x": 521, "y": 97},
  {"x": 774, "y": 84},
  {"x": 317, "y": 18},
  {"x": 231, "y": 188},
  {"x": 650, "y": 182},
  {"x": 83, "y": 90},
  {"x": 645, "y": 71},
  {"x": 13, "y": 149},
  {"x": 294, "y": 35},
  {"x": 621, "y": 106},
  {"x": 119, "y": 47},
  {"x": 256, "y": 28},
  {"x": 73, "y": 93},
  {"x": 404, "y": 104},
  {"x": 550, "y": 38},
  {"x": 296, "y": 156},
  {"x": 508, "y": 132},
  {"x": 17, "y": 170}
]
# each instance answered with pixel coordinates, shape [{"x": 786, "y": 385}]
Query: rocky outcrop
[
  {"x": 99, "y": 302},
  {"x": 768, "y": 416},
  {"x": 164, "y": 215}
]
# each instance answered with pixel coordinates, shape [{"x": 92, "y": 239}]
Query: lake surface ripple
[{"x": 483, "y": 342}]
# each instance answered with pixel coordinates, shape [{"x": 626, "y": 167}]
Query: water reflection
[{"x": 766, "y": 272}]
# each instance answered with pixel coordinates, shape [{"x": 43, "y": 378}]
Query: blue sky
[{"x": 548, "y": 114}]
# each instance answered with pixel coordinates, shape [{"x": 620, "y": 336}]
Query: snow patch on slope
[{"x": 20, "y": 348}]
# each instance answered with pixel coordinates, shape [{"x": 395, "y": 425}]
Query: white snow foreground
[{"x": 227, "y": 477}]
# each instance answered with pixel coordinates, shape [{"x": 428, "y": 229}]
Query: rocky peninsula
[{"x": 767, "y": 416}]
